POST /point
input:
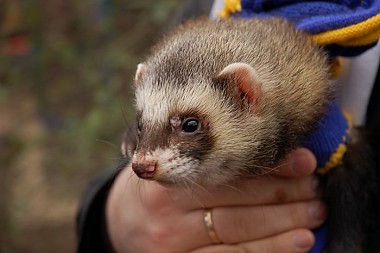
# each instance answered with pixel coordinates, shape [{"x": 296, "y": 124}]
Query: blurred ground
[{"x": 65, "y": 69}]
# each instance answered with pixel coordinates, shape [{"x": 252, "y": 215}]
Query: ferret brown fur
[
  {"x": 184, "y": 78},
  {"x": 221, "y": 100}
]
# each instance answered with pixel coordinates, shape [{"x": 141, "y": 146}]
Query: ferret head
[
  {"x": 218, "y": 100},
  {"x": 187, "y": 132}
]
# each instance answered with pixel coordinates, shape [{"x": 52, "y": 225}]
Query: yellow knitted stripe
[
  {"x": 230, "y": 6},
  {"x": 367, "y": 40},
  {"x": 360, "y": 34},
  {"x": 337, "y": 157}
]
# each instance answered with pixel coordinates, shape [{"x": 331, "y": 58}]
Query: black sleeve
[
  {"x": 373, "y": 112},
  {"x": 373, "y": 126},
  {"x": 91, "y": 222}
]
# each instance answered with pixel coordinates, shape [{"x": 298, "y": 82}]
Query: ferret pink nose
[{"x": 144, "y": 169}]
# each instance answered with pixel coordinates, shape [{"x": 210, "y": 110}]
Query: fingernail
[
  {"x": 318, "y": 210},
  {"x": 303, "y": 241}
]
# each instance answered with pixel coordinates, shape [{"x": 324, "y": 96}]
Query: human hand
[{"x": 270, "y": 214}]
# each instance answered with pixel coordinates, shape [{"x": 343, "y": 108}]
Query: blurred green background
[{"x": 65, "y": 74}]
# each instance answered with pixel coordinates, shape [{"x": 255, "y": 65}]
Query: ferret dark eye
[
  {"x": 190, "y": 125},
  {"x": 138, "y": 128}
]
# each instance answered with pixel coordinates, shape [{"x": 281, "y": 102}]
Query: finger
[
  {"x": 300, "y": 162},
  {"x": 233, "y": 225},
  {"x": 160, "y": 206},
  {"x": 265, "y": 190},
  {"x": 295, "y": 241},
  {"x": 262, "y": 190}
]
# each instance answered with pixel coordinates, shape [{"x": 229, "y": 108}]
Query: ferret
[{"x": 218, "y": 101}]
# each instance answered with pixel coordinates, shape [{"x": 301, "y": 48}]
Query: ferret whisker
[
  {"x": 187, "y": 188},
  {"x": 132, "y": 174},
  {"x": 268, "y": 170},
  {"x": 185, "y": 184},
  {"x": 122, "y": 110},
  {"x": 129, "y": 128},
  {"x": 229, "y": 186},
  {"x": 107, "y": 142},
  {"x": 168, "y": 193},
  {"x": 199, "y": 186},
  {"x": 235, "y": 189},
  {"x": 263, "y": 170},
  {"x": 264, "y": 218},
  {"x": 194, "y": 194},
  {"x": 140, "y": 188},
  {"x": 118, "y": 159}
]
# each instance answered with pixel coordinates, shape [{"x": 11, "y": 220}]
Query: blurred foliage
[
  {"x": 80, "y": 66},
  {"x": 67, "y": 66}
]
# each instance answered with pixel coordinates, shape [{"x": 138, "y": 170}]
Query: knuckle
[
  {"x": 160, "y": 235},
  {"x": 281, "y": 195}
]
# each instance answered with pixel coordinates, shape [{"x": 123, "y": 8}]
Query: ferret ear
[
  {"x": 141, "y": 69},
  {"x": 243, "y": 82}
]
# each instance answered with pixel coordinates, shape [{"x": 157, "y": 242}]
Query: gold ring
[{"x": 210, "y": 227}]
